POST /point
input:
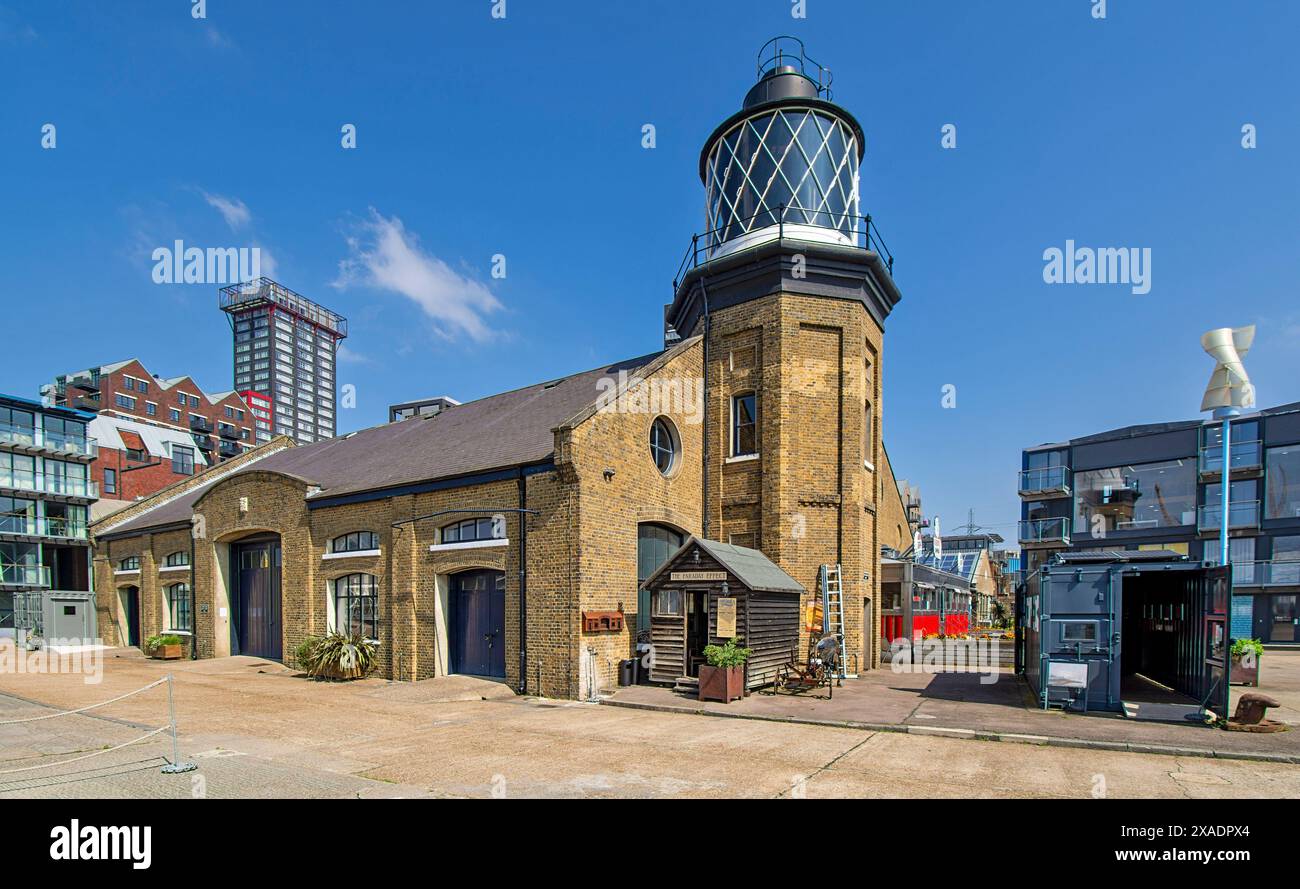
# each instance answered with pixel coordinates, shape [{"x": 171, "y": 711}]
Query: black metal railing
[
  {"x": 861, "y": 232},
  {"x": 786, "y": 51}
]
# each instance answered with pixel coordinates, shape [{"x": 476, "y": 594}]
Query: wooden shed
[{"x": 708, "y": 592}]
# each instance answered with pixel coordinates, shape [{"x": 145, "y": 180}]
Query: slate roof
[
  {"x": 499, "y": 431},
  {"x": 755, "y": 570}
]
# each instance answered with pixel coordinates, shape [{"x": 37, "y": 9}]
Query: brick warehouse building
[{"x": 476, "y": 539}]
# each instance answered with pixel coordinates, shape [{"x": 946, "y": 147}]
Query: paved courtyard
[{"x": 256, "y": 729}]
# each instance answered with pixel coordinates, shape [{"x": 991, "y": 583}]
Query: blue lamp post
[{"x": 1228, "y": 392}]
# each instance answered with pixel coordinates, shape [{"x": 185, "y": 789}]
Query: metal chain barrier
[{"x": 171, "y": 768}]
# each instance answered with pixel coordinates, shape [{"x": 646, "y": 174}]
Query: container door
[{"x": 1215, "y": 684}]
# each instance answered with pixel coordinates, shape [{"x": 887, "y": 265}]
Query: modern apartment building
[
  {"x": 45, "y": 496},
  {"x": 152, "y": 430},
  {"x": 1159, "y": 486},
  {"x": 285, "y": 354}
]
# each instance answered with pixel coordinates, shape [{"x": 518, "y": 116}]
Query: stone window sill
[
  {"x": 469, "y": 544},
  {"x": 352, "y": 554}
]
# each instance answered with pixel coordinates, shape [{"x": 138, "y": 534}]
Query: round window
[{"x": 664, "y": 445}]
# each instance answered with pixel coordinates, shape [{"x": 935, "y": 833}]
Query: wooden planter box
[
  {"x": 1245, "y": 675},
  {"x": 168, "y": 652},
  {"x": 725, "y": 684}
]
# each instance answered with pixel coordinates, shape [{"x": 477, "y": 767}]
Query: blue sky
[{"x": 522, "y": 137}]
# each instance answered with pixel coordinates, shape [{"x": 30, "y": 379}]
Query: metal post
[
  {"x": 175, "y": 767},
  {"x": 1225, "y": 488}
]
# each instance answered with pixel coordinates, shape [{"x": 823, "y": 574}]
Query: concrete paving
[
  {"x": 964, "y": 704},
  {"x": 256, "y": 729}
]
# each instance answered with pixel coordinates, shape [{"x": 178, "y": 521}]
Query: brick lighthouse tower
[{"x": 790, "y": 286}]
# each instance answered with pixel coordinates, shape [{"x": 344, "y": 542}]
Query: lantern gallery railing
[{"x": 785, "y": 222}]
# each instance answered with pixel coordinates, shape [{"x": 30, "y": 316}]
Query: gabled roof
[
  {"x": 755, "y": 570},
  {"x": 499, "y": 432}
]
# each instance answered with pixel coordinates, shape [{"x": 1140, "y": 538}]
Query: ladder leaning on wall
[{"x": 831, "y": 580}]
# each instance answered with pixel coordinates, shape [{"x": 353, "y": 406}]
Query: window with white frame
[
  {"x": 356, "y": 541},
  {"x": 356, "y": 606},
  {"x": 744, "y": 424},
  {"x": 179, "y": 559},
  {"x": 179, "y": 608}
]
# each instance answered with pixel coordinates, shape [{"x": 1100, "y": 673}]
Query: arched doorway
[
  {"x": 255, "y": 597},
  {"x": 478, "y": 620}
]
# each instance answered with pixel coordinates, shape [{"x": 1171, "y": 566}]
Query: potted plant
[
  {"x": 337, "y": 656},
  {"x": 722, "y": 677},
  {"x": 1245, "y": 661},
  {"x": 164, "y": 648}
]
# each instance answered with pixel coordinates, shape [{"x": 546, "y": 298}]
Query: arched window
[
  {"x": 356, "y": 542},
  {"x": 665, "y": 446},
  {"x": 179, "y": 559},
  {"x": 130, "y": 563},
  {"x": 473, "y": 529},
  {"x": 356, "y": 606},
  {"x": 654, "y": 544},
  {"x": 744, "y": 424},
  {"x": 179, "y": 607}
]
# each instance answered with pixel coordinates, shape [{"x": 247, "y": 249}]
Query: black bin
[{"x": 626, "y": 672}]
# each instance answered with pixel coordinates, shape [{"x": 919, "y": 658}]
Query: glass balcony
[
  {"x": 52, "y": 526},
  {"x": 1241, "y": 514},
  {"x": 13, "y": 574},
  {"x": 26, "y": 480},
  {"x": 1054, "y": 530},
  {"x": 1047, "y": 480},
  {"x": 51, "y": 442},
  {"x": 1246, "y": 456},
  {"x": 1282, "y": 572}
]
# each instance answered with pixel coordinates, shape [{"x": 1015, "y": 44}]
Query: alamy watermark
[
  {"x": 1100, "y": 265},
  {"x": 624, "y": 394},
  {"x": 179, "y": 264}
]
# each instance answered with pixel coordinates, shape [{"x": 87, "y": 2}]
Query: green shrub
[
  {"x": 1241, "y": 646},
  {"x": 728, "y": 655},
  {"x": 337, "y": 656},
  {"x": 302, "y": 653},
  {"x": 158, "y": 641}
]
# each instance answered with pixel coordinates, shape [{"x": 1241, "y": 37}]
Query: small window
[
  {"x": 667, "y": 603},
  {"x": 356, "y": 606},
  {"x": 744, "y": 424},
  {"x": 357, "y": 541},
  {"x": 130, "y": 563},
  {"x": 178, "y": 606},
  {"x": 174, "y": 414},
  {"x": 664, "y": 445},
  {"x": 182, "y": 460},
  {"x": 110, "y": 481},
  {"x": 178, "y": 560},
  {"x": 473, "y": 529},
  {"x": 151, "y": 409},
  {"x": 125, "y": 401},
  {"x": 1079, "y": 631},
  {"x": 69, "y": 610}
]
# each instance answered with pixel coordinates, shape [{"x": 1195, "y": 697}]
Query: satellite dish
[{"x": 1229, "y": 387}]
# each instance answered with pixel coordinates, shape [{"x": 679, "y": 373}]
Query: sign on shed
[{"x": 726, "y": 606}]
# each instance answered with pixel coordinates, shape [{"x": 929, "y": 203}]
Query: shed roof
[{"x": 755, "y": 570}]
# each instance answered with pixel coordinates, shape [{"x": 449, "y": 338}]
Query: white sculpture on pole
[{"x": 1229, "y": 387}]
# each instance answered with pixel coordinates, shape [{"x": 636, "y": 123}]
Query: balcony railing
[
  {"x": 1045, "y": 480},
  {"x": 1053, "y": 530},
  {"x": 1241, "y": 514},
  {"x": 26, "y": 480},
  {"x": 14, "y": 574},
  {"x": 200, "y": 424},
  {"x": 1246, "y": 457},
  {"x": 1280, "y": 572},
  {"x": 55, "y": 442},
  {"x": 51, "y": 526}
]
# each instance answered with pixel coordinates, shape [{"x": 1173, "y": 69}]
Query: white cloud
[
  {"x": 348, "y": 356},
  {"x": 386, "y": 256},
  {"x": 233, "y": 210}
]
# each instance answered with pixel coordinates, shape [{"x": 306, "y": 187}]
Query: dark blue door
[
  {"x": 257, "y": 573},
  {"x": 478, "y": 603}
]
